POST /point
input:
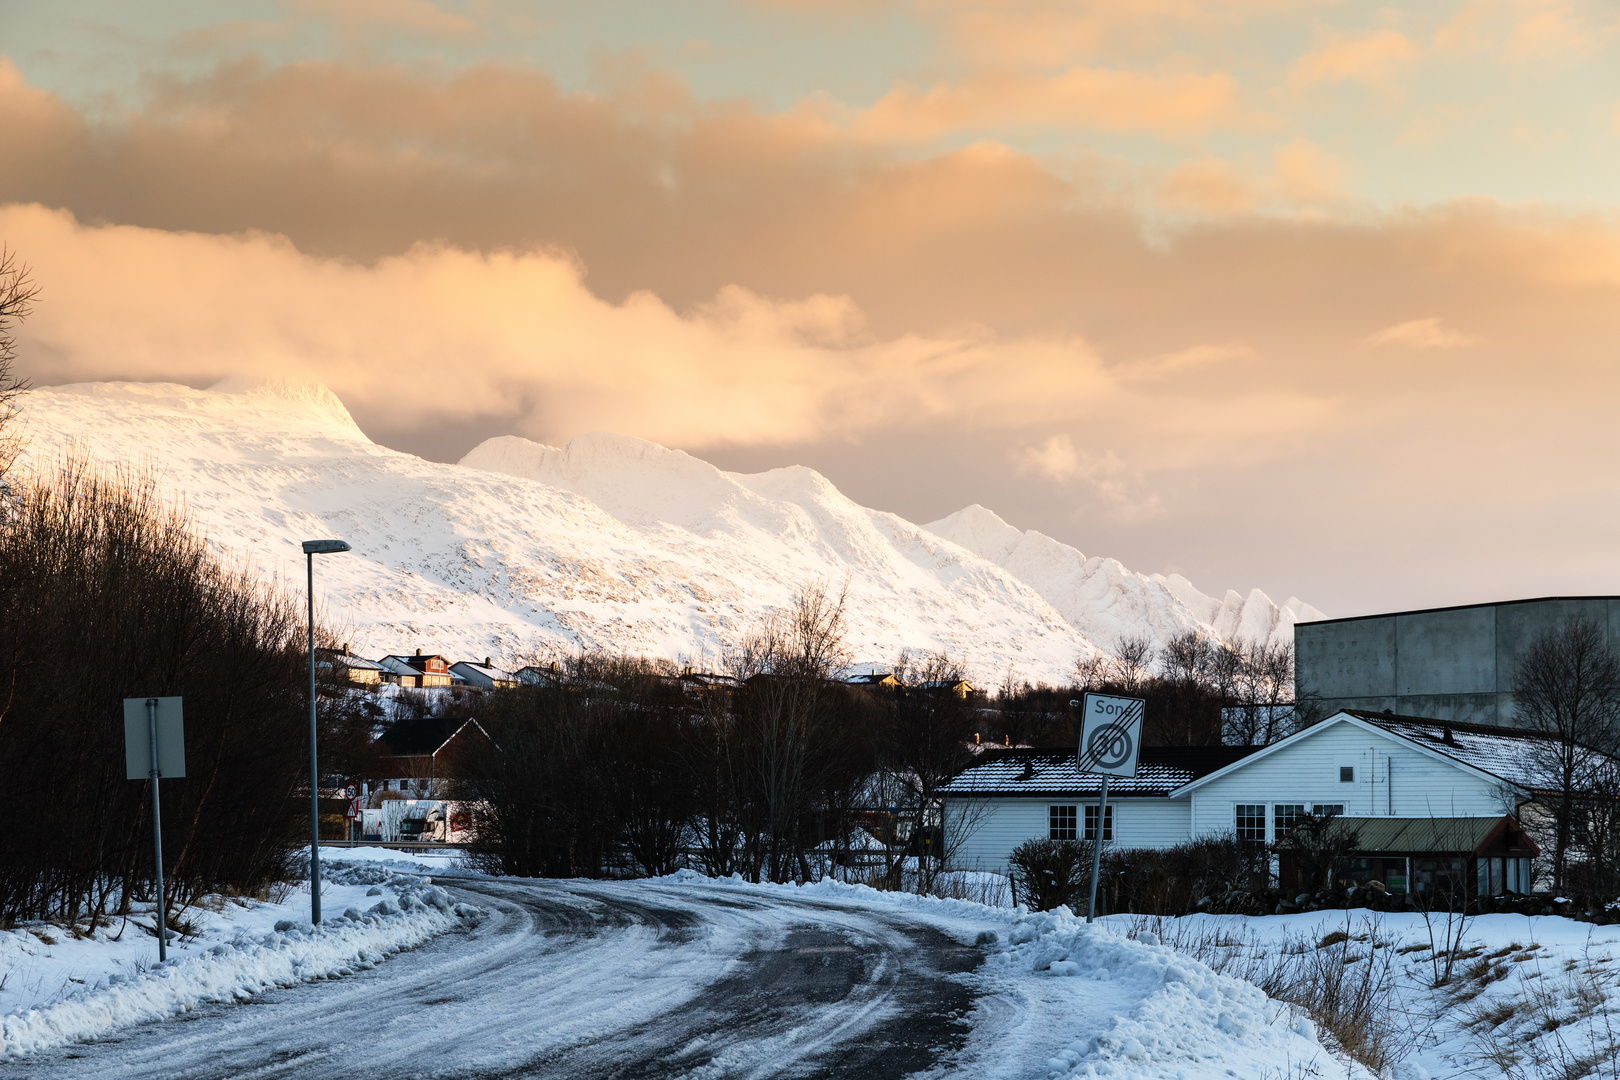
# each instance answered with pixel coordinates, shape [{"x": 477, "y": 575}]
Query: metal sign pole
[
  {"x": 1096, "y": 848},
  {"x": 1110, "y": 744},
  {"x": 157, "y": 833},
  {"x": 314, "y": 773}
]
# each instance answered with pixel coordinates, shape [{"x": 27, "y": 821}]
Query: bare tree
[
  {"x": 1132, "y": 661},
  {"x": 17, "y": 293},
  {"x": 1568, "y": 687}
]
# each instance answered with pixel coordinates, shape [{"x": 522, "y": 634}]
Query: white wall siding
[
  {"x": 1392, "y": 778},
  {"x": 997, "y": 825}
]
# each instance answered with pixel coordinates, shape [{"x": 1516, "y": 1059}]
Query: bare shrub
[
  {"x": 106, "y": 593},
  {"x": 1049, "y": 873}
]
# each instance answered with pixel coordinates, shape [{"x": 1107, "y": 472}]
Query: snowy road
[{"x": 591, "y": 979}]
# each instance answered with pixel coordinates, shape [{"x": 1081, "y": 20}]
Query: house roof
[
  {"x": 483, "y": 669},
  {"x": 420, "y": 735},
  {"x": 1507, "y": 753},
  {"x": 1504, "y": 754},
  {"x": 1040, "y": 773},
  {"x": 346, "y": 660},
  {"x": 1414, "y": 835}
]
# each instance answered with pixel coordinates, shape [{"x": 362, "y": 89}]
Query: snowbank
[
  {"x": 1100, "y": 1003},
  {"x": 1187, "y": 1021},
  {"x": 247, "y": 948}
]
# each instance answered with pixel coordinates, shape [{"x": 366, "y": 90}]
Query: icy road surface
[{"x": 593, "y": 979}]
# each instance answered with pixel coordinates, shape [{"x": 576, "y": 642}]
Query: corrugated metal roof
[
  {"x": 1417, "y": 834},
  {"x": 1038, "y": 773}
]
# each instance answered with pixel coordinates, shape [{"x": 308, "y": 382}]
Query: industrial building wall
[{"x": 1455, "y": 664}]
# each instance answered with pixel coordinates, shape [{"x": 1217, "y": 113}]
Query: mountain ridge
[{"x": 608, "y": 541}]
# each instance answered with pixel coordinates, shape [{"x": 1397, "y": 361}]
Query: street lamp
[{"x": 313, "y": 548}]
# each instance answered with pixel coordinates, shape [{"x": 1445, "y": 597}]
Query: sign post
[
  {"x": 1110, "y": 740},
  {"x": 155, "y": 747}
]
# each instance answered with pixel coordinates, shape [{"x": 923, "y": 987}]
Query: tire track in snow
[{"x": 588, "y": 979}]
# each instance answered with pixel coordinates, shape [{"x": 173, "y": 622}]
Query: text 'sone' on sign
[{"x": 1110, "y": 734}]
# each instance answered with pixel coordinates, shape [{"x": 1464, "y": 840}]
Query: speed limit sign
[{"x": 349, "y": 791}]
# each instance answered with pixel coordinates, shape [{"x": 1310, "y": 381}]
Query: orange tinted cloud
[
  {"x": 1422, "y": 334},
  {"x": 1373, "y": 60},
  {"x": 1178, "y": 103}
]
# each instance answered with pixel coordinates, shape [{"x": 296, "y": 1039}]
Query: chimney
[
  {"x": 345, "y": 648},
  {"x": 487, "y": 663},
  {"x": 1446, "y": 736},
  {"x": 418, "y": 651}
]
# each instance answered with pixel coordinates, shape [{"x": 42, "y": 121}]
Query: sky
[{"x": 1321, "y": 298}]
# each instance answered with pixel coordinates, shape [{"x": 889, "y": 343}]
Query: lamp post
[{"x": 313, "y": 548}]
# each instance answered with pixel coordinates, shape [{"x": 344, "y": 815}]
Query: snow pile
[
  {"x": 1097, "y": 1002},
  {"x": 233, "y": 959},
  {"x": 608, "y": 541},
  {"x": 1105, "y": 601},
  {"x": 1186, "y": 1021}
]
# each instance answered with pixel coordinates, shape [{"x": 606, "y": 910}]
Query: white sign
[
  {"x": 171, "y": 738},
  {"x": 1110, "y": 734}
]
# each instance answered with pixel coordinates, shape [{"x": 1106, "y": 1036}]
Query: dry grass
[
  {"x": 1562, "y": 1024},
  {"x": 1346, "y": 981}
]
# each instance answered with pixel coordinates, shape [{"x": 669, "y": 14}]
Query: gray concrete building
[{"x": 1455, "y": 663}]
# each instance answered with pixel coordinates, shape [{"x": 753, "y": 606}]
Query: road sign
[
  {"x": 171, "y": 739},
  {"x": 155, "y": 747},
  {"x": 1110, "y": 735},
  {"x": 353, "y": 812},
  {"x": 349, "y": 791}
]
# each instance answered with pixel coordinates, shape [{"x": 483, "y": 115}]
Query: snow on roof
[
  {"x": 484, "y": 670},
  {"x": 1036, "y": 773},
  {"x": 1507, "y": 753},
  {"x": 358, "y": 662}
]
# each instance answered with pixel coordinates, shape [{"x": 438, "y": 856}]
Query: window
[
  {"x": 1328, "y": 810},
  {"x": 1347, "y": 774},
  {"x": 1284, "y": 816},
  {"x": 1091, "y": 824},
  {"x": 1251, "y": 822},
  {"x": 1062, "y": 822}
]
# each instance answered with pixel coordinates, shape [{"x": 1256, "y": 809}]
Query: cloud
[
  {"x": 1422, "y": 334},
  {"x": 1103, "y": 99},
  {"x": 1301, "y": 174},
  {"x": 440, "y": 333},
  {"x": 1373, "y": 60},
  {"x": 1057, "y": 459}
]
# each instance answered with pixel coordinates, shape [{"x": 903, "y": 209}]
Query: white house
[
  {"x": 485, "y": 676},
  {"x": 1448, "y": 783}
]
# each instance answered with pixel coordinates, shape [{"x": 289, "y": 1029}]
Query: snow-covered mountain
[
  {"x": 607, "y": 541},
  {"x": 1105, "y": 601}
]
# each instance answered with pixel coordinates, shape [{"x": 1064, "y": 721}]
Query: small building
[
  {"x": 1416, "y": 777},
  {"x": 1012, "y": 795},
  {"x": 874, "y": 678},
  {"x": 420, "y": 671},
  {"x": 426, "y": 748},
  {"x": 342, "y": 665},
  {"x": 1464, "y": 855},
  {"x": 485, "y": 676},
  {"x": 535, "y": 675}
]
